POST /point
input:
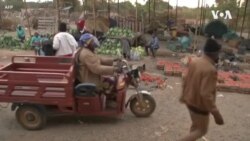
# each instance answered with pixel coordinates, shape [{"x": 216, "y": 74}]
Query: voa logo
[{"x": 218, "y": 14}]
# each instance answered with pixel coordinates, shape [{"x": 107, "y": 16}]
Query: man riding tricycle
[{"x": 39, "y": 87}]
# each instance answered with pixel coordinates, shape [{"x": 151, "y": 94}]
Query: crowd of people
[{"x": 65, "y": 44}]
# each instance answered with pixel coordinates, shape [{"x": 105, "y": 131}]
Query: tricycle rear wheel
[
  {"x": 31, "y": 117},
  {"x": 144, "y": 110}
]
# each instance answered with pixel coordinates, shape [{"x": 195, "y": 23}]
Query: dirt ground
[{"x": 169, "y": 122}]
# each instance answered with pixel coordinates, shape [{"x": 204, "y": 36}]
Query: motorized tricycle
[{"x": 39, "y": 87}]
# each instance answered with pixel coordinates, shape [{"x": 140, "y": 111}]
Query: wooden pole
[
  {"x": 195, "y": 36},
  {"x": 108, "y": 8},
  {"x": 201, "y": 16},
  {"x": 244, "y": 17},
  {"x": 94, "y": 11},
  {"x": 204, "y": 14},
  {"x": 168, "y": 9},
  {"x": 0, "y": 14},
  {"x": 83, "y": 4},
  {"x": 149, "y": 4},
  {"x": 58, "y": 13},
  {"x": 176, "y": 14},
  {"x": 237, "y": 17},
  {"x": 142, "y": 21},
  {"x": 1, "y": 6},
  {"x": 154, "y": 8},
  {"x": 136, "y": 17},
  {"x": 26, "y": 11},
  {"x": 86, "y": 3},
  {"x": 118, "y": 7},
  {"x": 248, "y": 36}
]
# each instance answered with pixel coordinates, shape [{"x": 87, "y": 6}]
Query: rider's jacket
[{"x": 91, "y": 67}]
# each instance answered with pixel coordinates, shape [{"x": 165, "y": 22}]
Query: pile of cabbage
[
  {"x": 119, "y": 32},
  {"x": 110, "y": 47},
  {"x": 113, "y": 47},
  {"x": 137, "y": 53},
  {"x": 9, "y": 42}
]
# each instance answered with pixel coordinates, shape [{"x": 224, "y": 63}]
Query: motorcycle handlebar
[{"x": 123, "y": 66}]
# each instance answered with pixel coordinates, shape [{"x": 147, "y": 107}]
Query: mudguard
[{"x": 137, "y": 96}]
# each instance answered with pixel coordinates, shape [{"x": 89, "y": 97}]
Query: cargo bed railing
[
  {"x": 38, "y": 87},
  {"x": 43, "y": 59}
]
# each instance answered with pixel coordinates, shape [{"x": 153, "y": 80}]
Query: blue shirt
[
  {"x": 20, "y": 32},
  {"x": 155, "y": 43},
  {"x": 35, "y": 41}
]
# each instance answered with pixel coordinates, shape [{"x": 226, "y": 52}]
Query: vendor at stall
[
  {"x": 35, "y": 43},
  {"x": 80, "y": 24},
  {"x": 126, "y": 47},
  {"x": 150, "y": 41},
  {"x": 154, "y": 44},
  {"x": 20, "y": 33}
]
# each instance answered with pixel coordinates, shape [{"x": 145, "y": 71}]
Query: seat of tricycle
[{"x": 85, "y": 89}]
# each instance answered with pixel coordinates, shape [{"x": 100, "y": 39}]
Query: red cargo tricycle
[{"x": 39, "y": 87}]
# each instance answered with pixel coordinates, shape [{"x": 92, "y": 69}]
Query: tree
[
  {"x": 74, "y": 3},
  {"x": 64, "y": 3},
  {"x": 1, "y": 8},
  {"x": 159, "y": 5},
  {"x": 127, "y": 8},
  {"x": 231, "y": 5}
]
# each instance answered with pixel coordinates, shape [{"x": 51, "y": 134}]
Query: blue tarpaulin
[{"x": 183, "y": 43}]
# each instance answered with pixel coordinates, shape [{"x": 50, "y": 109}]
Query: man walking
[
  {"x": 64, "y": 43},
  {"x": 199, "y": 91}
]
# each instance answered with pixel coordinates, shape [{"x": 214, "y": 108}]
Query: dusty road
[{"x": 169, "y": 122}]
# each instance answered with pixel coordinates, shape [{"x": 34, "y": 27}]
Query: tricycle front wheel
[
  {"x": 145, "y": 108},
  {"x": 31, "y": 117}
]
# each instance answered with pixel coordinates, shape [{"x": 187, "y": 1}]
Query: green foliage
[
  {"x": 231, "y": 5},
  {"x": 160, "y": 6},
  {"x": 110, "y": 47},
  {"x": 126, "y": 8},
  {"x": 9, "y": 42},
  {"x": 26, "y": 45},
  {"x": 118, "y": 32},
  {"x": 100, "y": 5},
  {"x": 138, "y": 52},
  {"x": 12, "y": 43},
  {"x": 113, "y": 46}
]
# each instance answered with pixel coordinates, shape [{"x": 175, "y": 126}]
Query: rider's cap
[{"x": 87, "y": 39}]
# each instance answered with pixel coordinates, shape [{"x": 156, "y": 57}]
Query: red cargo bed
[{"x": 40, "y": 80}]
